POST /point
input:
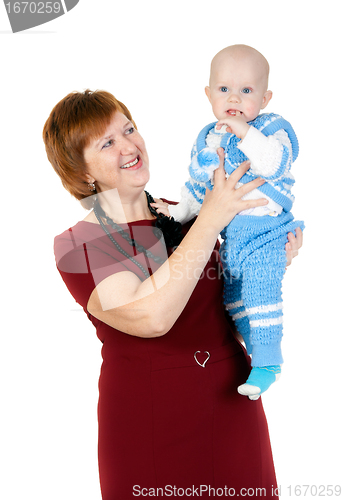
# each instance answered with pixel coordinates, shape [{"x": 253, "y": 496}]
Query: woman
[{"x": 169, "y": 412}]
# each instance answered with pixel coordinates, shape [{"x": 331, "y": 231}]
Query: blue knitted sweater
[{"x": 279, "y": 182}]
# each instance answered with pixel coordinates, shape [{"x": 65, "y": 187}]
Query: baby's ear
[
  {"x": 266, "y": 98},
  {"x": 208, "y": 93}
]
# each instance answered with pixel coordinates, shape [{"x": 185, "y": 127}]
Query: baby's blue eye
[
  {"x": 246, "y": 90},
  {"x": 223, "y": 89}
]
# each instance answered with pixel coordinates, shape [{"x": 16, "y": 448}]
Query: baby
[{"x": 253, "y": 249}]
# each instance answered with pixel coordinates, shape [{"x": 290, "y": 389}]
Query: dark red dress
[{"x": 169, "y": 427}]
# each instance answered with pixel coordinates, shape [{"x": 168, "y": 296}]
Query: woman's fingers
[
  {"x": 299, "y": 237},
  {"x": 219, "y": 173},
  {"x": 250, "y": 186},
  {"x": 294, "y": 244},
  {"x": 221, "y": 155},
  {"x": 247, "y": 204},
  {"x": 229, "y": 184},
  {"x": 239, "y": 172},
  {"x": 224, "y": 201}
]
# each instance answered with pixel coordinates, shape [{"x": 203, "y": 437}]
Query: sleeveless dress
[{"x": 171, "y": 422}]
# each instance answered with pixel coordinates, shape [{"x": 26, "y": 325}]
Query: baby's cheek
[{"x": 252, "y": 111}]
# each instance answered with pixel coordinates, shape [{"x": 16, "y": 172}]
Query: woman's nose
[{"x": 127, "y": 147}]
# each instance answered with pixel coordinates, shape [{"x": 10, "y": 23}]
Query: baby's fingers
[{"x": 160, "y": 206}]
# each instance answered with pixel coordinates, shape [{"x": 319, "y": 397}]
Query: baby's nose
[{"x": 234, "y": 97}]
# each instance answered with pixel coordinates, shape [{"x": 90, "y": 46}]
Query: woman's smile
[
  {"x": 119, "y": 151},
  {"x": 133, "y": 165}
]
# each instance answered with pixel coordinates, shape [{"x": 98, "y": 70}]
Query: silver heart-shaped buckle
[{"x": 204, "y": 363}]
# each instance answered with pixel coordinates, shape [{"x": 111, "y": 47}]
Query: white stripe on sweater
[
  {"x": 234, "y": 305},
  {"x": 265, "y": 323},
  {"x": 264, "y": 309}
]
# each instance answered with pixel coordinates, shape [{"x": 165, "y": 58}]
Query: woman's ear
[
  {"x": 266, "y": 98},
  {"x": 89, "y": 179}
]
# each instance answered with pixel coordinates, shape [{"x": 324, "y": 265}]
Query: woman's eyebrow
[
  {"x": 103, "y": 139},
  {"x": 111, "y": 135}
]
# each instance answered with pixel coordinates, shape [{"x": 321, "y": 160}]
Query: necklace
[{"x": 170, "y": 229}]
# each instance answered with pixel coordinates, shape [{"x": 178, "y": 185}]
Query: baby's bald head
[
  {"x": 241, "y": 55},
  {"x": 238, "y": 82}
]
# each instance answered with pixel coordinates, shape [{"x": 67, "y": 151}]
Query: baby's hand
[
  {"x": 161, "y": 207},
  {"x": 235, "y": 125}
]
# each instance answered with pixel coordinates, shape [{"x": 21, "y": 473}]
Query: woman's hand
[
  {"x": 224, "y": 194},
  {"x": 224, "y": 202},
  {"x": 293, "y": 245}
]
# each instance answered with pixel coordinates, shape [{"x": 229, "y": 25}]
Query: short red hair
[{"x": 72, "y": 124}]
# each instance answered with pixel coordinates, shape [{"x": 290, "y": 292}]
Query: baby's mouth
[{"x": 233, "y": 112}]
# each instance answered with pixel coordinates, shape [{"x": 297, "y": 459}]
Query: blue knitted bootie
[{"x": 259, "y": 380}]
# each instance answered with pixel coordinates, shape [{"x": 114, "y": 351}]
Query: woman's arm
[{"x": 150, "y": 308}]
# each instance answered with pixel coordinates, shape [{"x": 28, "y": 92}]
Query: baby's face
[{"x": 238, "y": 84}]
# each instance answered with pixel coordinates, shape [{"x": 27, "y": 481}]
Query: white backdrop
[{"x": 155, "y": 57}]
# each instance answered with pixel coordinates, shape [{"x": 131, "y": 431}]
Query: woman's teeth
[{"x": 128, "y": 165}]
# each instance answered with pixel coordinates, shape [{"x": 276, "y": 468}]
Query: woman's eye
[
  {"x": 108, "y": 143},
  {"x": 246, "y": 90},
  {"x": 223, "y": 89},
  {"x": 130, "y": 130}
]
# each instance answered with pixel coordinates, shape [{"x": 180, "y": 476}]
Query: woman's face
[{"x": 118, "y": 159}]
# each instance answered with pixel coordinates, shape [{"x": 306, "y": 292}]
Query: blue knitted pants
[{"x": 254, "y": 259}]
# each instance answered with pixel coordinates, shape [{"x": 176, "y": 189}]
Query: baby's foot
[{"x": 260, "y": 379}]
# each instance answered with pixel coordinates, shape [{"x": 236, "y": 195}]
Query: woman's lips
[{"x": 133, "y": 165}]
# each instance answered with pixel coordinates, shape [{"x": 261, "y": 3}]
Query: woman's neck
[{"x": 123, "y": 210}]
